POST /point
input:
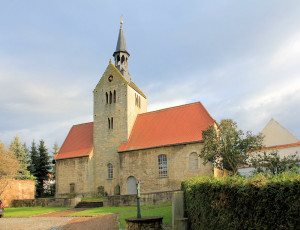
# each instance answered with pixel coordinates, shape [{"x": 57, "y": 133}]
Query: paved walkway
[{"x": 104, "y": 222}]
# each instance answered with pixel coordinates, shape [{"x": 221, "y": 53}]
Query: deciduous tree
[
  {"x": 9, "y": 167},
  {"x": 272, "y": 163},
  {"x": 227, "y": 147}
]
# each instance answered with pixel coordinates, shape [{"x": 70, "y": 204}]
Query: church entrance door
[{"x": 131, "y": 185}]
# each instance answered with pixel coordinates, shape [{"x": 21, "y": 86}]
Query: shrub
[{"x": 260, "y": 202}]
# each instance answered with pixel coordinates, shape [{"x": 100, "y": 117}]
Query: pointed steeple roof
[{"x": 121, "y": 45}]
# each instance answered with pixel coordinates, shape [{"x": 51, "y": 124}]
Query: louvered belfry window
[{"x": 162, "y": 165}]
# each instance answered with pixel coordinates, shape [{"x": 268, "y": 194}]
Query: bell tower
[
  {"x": 121, "y": 55},
  {"x": 117, "y": 102}
]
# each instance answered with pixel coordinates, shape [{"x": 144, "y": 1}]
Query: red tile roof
[
  {"x": 281, "y": 146},
  {"x": 78, "y": 143},
  {"x": 175, "y": 125}
]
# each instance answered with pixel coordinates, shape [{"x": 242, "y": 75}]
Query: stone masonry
[{"x": 108, "y": 140}]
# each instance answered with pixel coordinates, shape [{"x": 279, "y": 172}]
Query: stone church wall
[
  {"x": 133, "y": 109},
  {"x": 143, "y": 165},
  {"x": 72, "y": 177}
]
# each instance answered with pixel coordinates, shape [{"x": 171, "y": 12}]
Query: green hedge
[{"x": 237, "y": 203}]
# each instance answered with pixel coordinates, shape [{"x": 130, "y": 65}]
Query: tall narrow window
[
  {"x": 110, "y": 171},
  {"x": 112, "y": 123},
  {"x": 118, "y": 60},
  {"x": 193, "y": 161},
  {"x": 115, "y": 96},
  {"x": 162, "y": 165},
  {"x": 108, "y": 123},
  {"x": 110, "y": 97},
  {"x": 72, "y": 188},
  {"x": 106, "y": 97},
  {"x": 139, "y": 102}
]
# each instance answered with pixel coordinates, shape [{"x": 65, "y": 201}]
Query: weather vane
[{"x": 121, "y": 21}]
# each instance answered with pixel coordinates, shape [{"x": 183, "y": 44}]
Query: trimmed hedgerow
[{"x": 260, "y": 202}]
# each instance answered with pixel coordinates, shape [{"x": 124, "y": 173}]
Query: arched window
[
  {"x": 106, "y": 94},
  {"x": 110, "y": 97},
  {"x": 108, "y": 123},
  {"x": 162, "y": 165},
  {"x": 118, "y": 60},
  {"x": 122, "y": 59},
  {"x": 115, "y": 96},
  {"x": 110, "y": 171},
  {"x": 72, "y": 188},
  {"x": 112, "y": 123},
  {"x": 193, "y": 161}
]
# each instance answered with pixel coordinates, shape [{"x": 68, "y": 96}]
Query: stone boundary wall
[
  {"x": 46, "y": 202},
  {"x": 146, "y": 199},
  {"x": 15, "y": 190}
]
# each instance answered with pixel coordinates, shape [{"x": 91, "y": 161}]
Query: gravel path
[
  {"x": 58, "y": 220},
  {"x": 34, "y": 223}
]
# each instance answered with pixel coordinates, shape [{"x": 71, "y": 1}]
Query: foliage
[
  {"x": 227, "y": 147},
  {"x": 34, "y": 159},
  {"x": 100, "y": 191},
  {"x": 270, "y": 162},
  {"x": 30, "y": 211},
  {"x": 9, "y": 168},
  {"x": 53, "y": 166},
  {"x": 260, "y": 202},
  {"x": 9, "y": 164},
  {"x": 21, "y": 152},
  {"x": 43, "y": 167}
]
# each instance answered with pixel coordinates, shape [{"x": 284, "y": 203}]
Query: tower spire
[{"x": 121, "y": 54}]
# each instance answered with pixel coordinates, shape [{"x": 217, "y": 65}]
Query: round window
[{"x": 110, "y": 78}]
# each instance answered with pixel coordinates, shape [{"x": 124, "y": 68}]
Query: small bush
[{"x": 260, "y": 202}]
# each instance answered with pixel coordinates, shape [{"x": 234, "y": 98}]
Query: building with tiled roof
[
  {"x": 278, "y": 139},
  {"x": 125, "y": 142}
]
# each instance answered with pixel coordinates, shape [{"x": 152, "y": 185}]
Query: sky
[{"x": 241, "y": 59}]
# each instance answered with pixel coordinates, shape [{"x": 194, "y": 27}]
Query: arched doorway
[{"x": 131, "y": 185}]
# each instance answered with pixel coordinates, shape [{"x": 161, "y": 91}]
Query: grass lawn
[
  {"x": 29, "y": 211},
  {"x": 165, "y": 212},
  {"x": 107, "y": 210}
]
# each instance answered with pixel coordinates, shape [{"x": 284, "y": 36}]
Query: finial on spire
[
  {"x": 110, "y": 62},
  {"x": 121, "y": 21}
]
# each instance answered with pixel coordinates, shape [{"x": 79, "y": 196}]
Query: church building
[{"x": 125, "y": 143}]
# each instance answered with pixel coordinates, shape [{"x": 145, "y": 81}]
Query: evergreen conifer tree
[
  {"x": 43, "y": 167},
  {"x": 34, "y": 159},
  {"x": 21, "y": 152},
  {"x": 55, "y": 151}
]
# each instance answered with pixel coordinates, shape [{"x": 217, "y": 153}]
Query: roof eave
[{"x": 159, "y": 146}]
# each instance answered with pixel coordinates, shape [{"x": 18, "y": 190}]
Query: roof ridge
[
  {"x": 83, "y": 123},
  {"x": 137, "y": 89},
  {"x": 172, "y": 107},
  {"x": 281, "y": 146}
]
